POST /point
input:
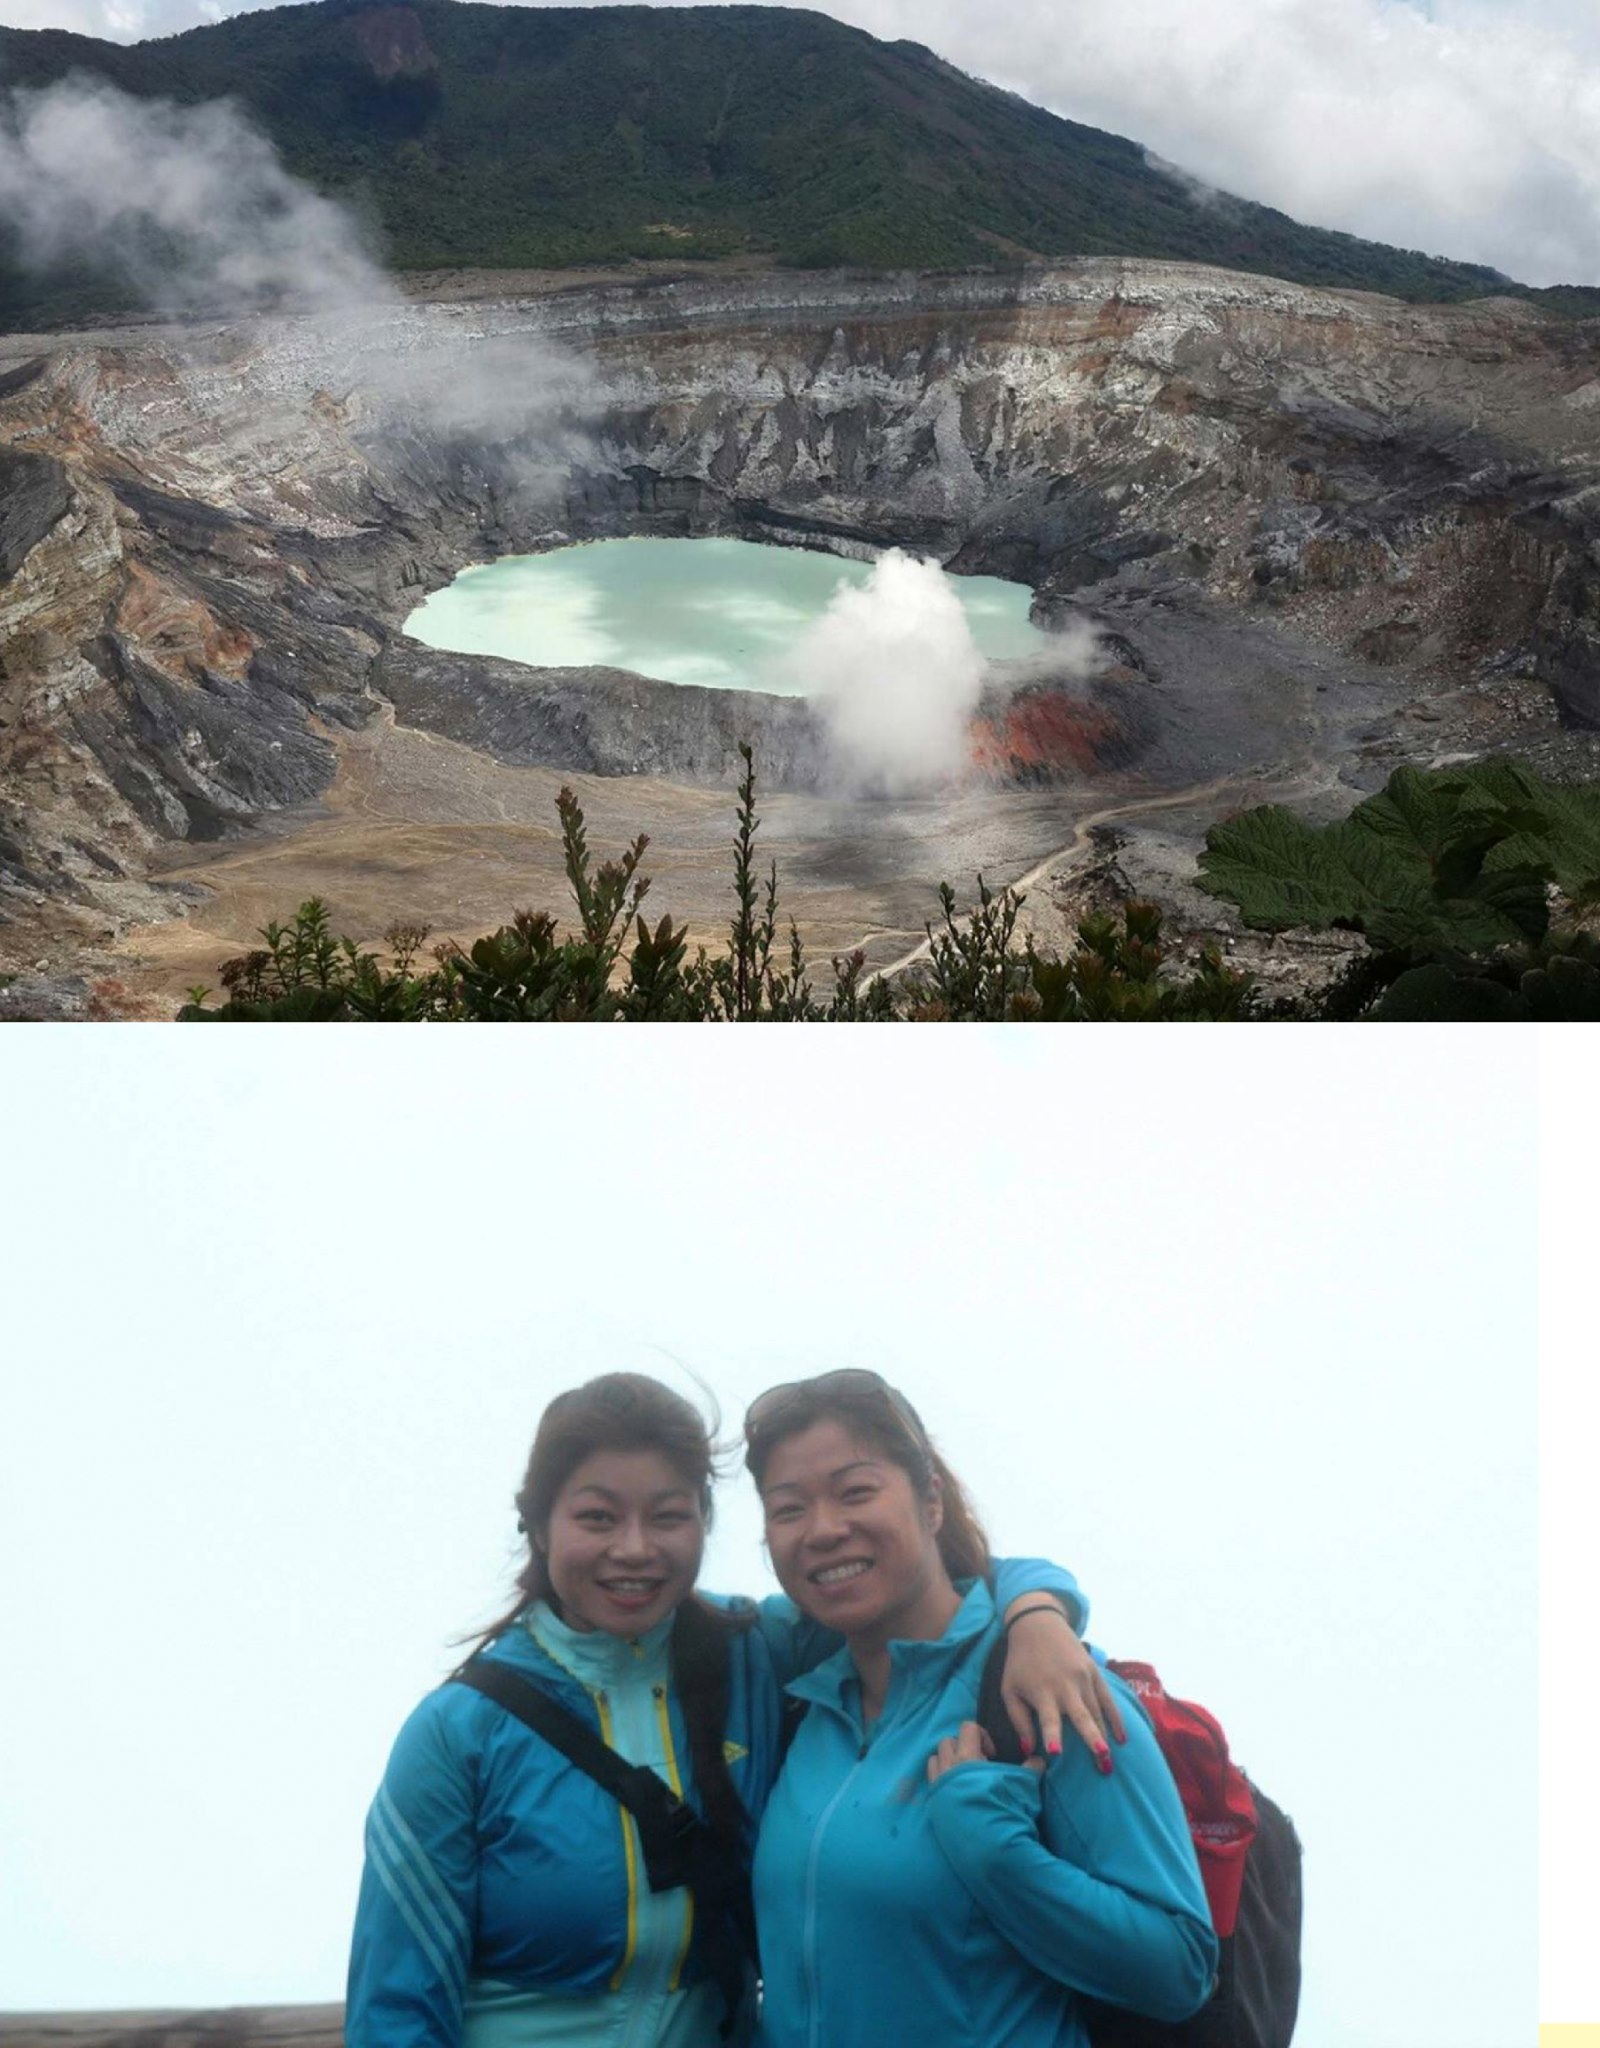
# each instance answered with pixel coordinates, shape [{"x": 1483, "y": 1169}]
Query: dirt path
[{"x": 1255, "y": 785}]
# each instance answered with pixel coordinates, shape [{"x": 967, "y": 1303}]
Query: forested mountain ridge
[{"x": 520, "y": 137}]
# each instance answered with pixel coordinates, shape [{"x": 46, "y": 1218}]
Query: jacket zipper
[{"x": 809, "y": 1942}]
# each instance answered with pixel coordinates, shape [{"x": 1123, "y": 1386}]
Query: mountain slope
[{"x": 530, "y": 136}]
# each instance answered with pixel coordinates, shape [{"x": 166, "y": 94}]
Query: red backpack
[{"x": 1249, "y": 1856}]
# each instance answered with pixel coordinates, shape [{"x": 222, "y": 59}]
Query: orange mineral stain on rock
[
  {"x": 1042, "y": 734},
  {"x": 176, "y": 630}
]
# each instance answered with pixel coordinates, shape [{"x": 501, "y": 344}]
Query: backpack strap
[
  {"x": 790, "y": 1714},
  {"x": 668, "y": 1826},
  {"x": 992, "y": 1716},
  {"x": 679, "y": 1847}
]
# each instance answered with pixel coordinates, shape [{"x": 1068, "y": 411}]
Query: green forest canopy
[{"x": 509, "y": 137}]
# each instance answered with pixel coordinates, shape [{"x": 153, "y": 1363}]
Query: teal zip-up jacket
[
  {"x": 947, "y": 1916},
  {"x": 503, "y": 1902}
]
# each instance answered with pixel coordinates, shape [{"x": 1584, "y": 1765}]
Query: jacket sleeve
[
  {"x": 799, "y": 1644},
  {"x": 1014, "y": 1576},
  {"x": 414, "y": 1919},
  {"x": 1110, "y": 1902}
]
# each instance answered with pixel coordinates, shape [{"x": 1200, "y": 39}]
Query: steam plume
[
  {"x": 189, "y": 205},
  {"x": 193, "y": 210},
  {"x": 894, "y": 668}
]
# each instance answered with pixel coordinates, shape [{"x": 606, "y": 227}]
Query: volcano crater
[{"x": 1309, "y": 535}]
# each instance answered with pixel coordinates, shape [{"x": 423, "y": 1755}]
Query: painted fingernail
[
  {"x": 1027, "y": 1745},
  {"x": 1102, "y": 1760},
  {"x": 1053, "y": 1747}
]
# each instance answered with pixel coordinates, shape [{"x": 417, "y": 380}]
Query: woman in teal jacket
[
  {"x": 908, "y": 1889},
  {"x": 504, "y": 1902}
]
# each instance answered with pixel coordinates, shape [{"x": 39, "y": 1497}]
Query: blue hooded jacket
[
  {"x": 498, "y": 1875},
  {"x": 893, "y": 1911}
]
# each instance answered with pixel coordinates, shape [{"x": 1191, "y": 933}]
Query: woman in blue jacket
[
  {"x": 907, "y": 1889},
  {"x": 505, "y": 1902}
]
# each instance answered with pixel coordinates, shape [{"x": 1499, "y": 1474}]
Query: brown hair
[
  {"x": 628, "y": 1411},
  {"x": 886, "y": 1419}
]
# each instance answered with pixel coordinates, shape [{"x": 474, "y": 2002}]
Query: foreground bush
[
  {"x": 1449, "y": 875},
  {"x": 614, "y": 966}
]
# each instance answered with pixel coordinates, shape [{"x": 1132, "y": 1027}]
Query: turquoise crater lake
[{"x": 721, "y": 614}]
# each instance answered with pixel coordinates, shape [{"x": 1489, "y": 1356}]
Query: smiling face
[
  {"x": 623, "y": 1543},
  {"x": 851, "y": 1540}
]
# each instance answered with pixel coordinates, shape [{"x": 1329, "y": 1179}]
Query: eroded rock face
[{"x": 1313, "y": 529}]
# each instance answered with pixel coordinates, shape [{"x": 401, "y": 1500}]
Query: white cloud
[
  {"x": 119, "y": 21},
  {"x": 193, "y": 208},
  {"x": 1472, "y": 131}
]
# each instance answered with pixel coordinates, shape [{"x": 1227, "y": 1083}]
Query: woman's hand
[
  {"x": 970, "y": 1746},
  {"x": 1050, "y": 1678}
]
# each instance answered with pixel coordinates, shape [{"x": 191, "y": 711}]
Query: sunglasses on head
[{"x": 850, "y": 1382}]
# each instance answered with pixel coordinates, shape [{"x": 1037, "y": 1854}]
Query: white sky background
[
  {"x": 1466, "y": 128},
  {"x": 1238, "y": 1325}
]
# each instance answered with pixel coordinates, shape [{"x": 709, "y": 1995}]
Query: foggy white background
[
  {"x": 1466, "y": 128},
  {"x": 1238, "y": 1325}
]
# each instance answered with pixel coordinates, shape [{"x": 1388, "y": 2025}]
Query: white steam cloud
[
  {"x": 189, "y": 205},
  {"x": 470, "y": 384},
  {"x": 894, "y": 669},
  {"x": 192, "y": 209}
]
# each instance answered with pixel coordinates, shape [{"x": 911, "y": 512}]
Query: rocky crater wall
[{"x": 1291, "y": 514}]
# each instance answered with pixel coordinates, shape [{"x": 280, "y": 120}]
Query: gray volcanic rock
[
  {"x": 1299, "y": 521},
  {"x": 600, "y": 721},
  {"x": 33, "y": 496}
]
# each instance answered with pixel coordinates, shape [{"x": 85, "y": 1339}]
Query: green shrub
[{"x": 1448, "y": 874}]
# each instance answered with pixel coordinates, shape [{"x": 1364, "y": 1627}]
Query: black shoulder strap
[
  {"x": 679, "y": 1847},
  {"x": 992, "y": 1716},
  {"x": 790, "y": 1714},
  {"x": 669, "y": 1828}
]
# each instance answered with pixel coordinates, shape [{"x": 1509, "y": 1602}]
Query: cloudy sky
[
  {"x": 1467, "y": 128},
  {"x": 1240, "y": 1326}
]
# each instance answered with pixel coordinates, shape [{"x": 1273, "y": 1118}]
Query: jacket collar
[
  {"x": 539, "y": 1640},
  {"x": 926, "y": 1664}
]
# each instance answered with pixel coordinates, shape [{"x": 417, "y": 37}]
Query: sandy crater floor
[{"x": 423, "y": 827}]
